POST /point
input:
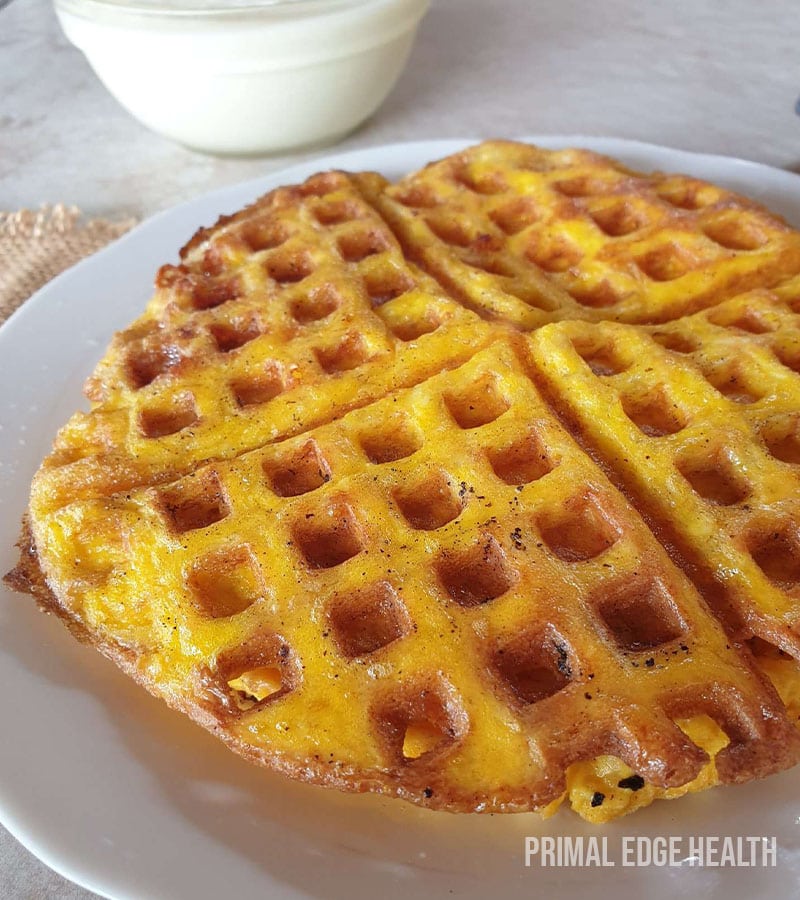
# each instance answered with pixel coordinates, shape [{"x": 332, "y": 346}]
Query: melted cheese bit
[
  {"x": 420, "y": 737},
  {"x": 258, "y": 684}
]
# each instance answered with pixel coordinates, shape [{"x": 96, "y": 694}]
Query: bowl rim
[{"x": 213, "y": 9}]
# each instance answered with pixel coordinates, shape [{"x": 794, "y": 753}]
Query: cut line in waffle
[
  {"x": 444, "y": 570},
  {"x": 705, "y": 443},
  {"x": 531, "y": 236},
  {"x": 278, "y": 320}
]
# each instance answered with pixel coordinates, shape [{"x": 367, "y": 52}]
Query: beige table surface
[{"x": 720, "y": 76}]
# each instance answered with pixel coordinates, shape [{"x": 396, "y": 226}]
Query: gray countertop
[{"x": 720, "y": 76}]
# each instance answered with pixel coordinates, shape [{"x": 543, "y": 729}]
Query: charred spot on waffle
[{"x": 631, "y": 783}]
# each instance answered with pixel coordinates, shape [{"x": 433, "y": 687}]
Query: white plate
[{"x": 125, "y": 797}]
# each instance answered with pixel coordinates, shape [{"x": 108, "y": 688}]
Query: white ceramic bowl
[{"x": 246, "y": 76}]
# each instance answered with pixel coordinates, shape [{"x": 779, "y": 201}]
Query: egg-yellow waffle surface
[
  {"x": 439, "y": 596},
  {"x": 707, "y": 442},
  {"x": 478, "y": 490},
  {"x": 531, "y": 236},
  {"x": 279, "y": 318}
]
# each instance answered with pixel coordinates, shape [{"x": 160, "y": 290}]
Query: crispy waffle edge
[{"x": 27, "y": 577}]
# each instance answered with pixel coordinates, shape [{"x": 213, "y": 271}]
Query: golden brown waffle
[
  {"x": 531, "y": 236},
  {"x": 446, "y": 559},
  {"x": 297, "y": 309},
  {"x": 707, "y": 442},
  {"x": 327, "y": 500}
]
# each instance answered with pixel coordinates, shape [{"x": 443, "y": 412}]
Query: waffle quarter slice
[{"x": 699, "y": 442}]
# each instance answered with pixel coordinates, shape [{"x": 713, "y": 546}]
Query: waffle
[
  {"x": 381, "y": 494},
  {"x": 283, "y": 316},
  {"x": 707, "y": 444},
  {"x": 532, "y": 236}
]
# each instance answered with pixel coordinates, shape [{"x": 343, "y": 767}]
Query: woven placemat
[{"x": 35, "y": 245}]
